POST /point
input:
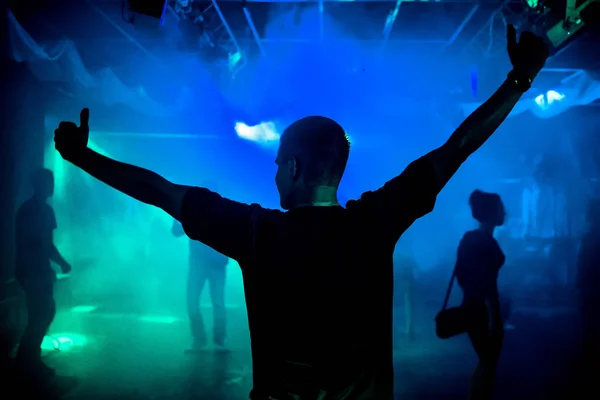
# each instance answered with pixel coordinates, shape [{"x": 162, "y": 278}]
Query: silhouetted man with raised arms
[
  {"x": 35, "y": 225},
  {"x": 318, "y": 278}
]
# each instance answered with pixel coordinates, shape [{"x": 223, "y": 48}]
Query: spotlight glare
[
  {"x": 545, "y": 100},
  {"x": 263, "y": 133}
]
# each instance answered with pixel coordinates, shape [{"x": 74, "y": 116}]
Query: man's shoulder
[
  {"x": 396, "y": 199},
  {"x": 267, "y": 217},
  {"x": 367, "y": 218},
  {"x": 197, "y": 198}
]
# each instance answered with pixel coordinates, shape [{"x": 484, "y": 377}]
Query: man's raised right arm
[
  {"x": 71, "y": 141},
  {"x": 141, "y": 184},
  {"x": 225, "y": 225}
]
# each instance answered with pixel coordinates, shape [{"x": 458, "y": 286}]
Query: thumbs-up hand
[
  {"x": 527, "y": 55},
  {"x": 70, "y": 139}
]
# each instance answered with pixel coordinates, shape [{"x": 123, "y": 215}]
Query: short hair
[
  {"x": 484, "y": 206},
  {"x": 321, "y": 147}
]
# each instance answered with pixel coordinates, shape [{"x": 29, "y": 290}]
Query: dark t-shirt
[
  {"x": 318, "y": 283},
  {"x": 202, "y": 256},
  {"x": 35, "y": 224},
  {"x": 478, "y": 262}
]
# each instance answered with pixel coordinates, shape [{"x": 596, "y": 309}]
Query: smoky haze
[
  {"x": 390, "y": 119},
  {"x": 168, "y": 110}
]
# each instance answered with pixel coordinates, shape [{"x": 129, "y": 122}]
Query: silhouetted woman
[{"x": 478, "y": 262}]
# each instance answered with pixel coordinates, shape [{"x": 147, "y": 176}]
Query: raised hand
[
  {"x": 527, "y": 55},
  {"x": 70, "y": 139}
]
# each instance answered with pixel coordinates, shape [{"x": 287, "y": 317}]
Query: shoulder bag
[{"x": 453, "y": 321}]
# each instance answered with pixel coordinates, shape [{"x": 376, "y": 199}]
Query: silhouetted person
[
  {"x": 405, "y": 266},
  {"x": 35, "y": 225},
  {"x": 205, "y": 266},
  {"x": 318, "y": 278},
  {"x": 478, "y": 262},
  {"x": 588, "y": 288}
]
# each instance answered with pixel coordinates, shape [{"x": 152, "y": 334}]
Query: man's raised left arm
[{"x": 528, "y": 57}]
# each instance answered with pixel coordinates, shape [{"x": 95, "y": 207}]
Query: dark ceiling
[{"x": 453, "y": 32}]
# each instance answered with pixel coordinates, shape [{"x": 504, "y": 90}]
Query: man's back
[
  {"x": 201, "y": 255},
  {"x": 318, "y": 284},
  {"x": 319, "y": 300}
]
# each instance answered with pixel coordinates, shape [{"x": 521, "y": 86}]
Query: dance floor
[{"x": 102, "y": 353}]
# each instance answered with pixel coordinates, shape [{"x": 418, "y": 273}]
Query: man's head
[
  {"x": 43, "y": 183},
  {"x": 313, "y": 153}
]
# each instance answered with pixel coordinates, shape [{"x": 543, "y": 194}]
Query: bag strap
[{"x": 449, "y": 290}]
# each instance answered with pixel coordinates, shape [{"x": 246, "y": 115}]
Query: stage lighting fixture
[
  {"x": 152, "y": 8},
  {"x": 562, "y": 21},
  {"x": 211, "y": 25},
  {"x": 219, "y": 35}
]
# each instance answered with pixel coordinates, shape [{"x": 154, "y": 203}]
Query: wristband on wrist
[{"x": 519, "y": 81}]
